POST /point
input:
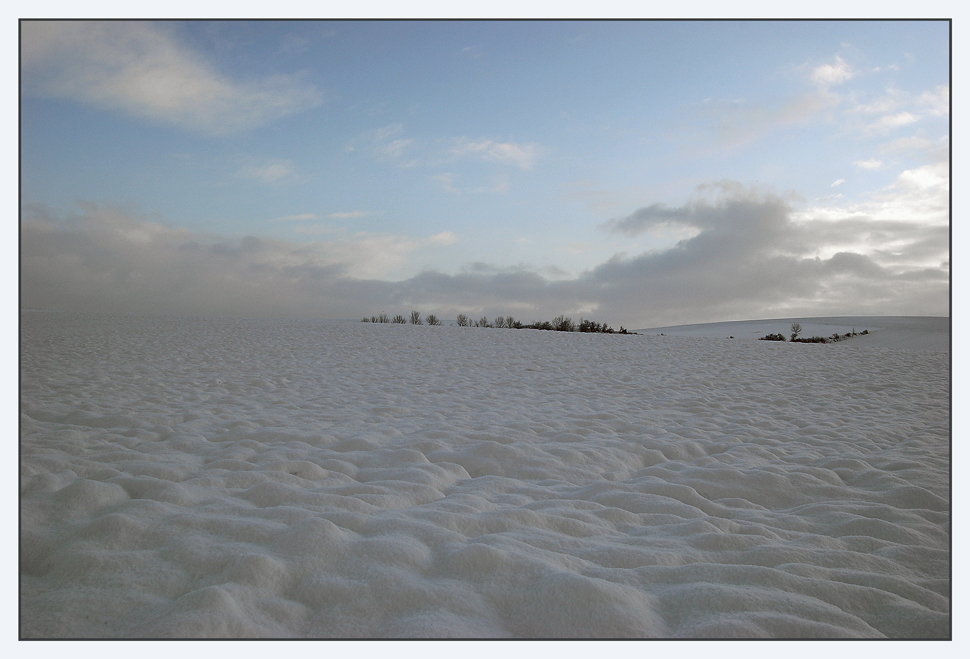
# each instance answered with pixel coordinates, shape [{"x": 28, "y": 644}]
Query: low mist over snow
[{"x": 194, "y": 477}]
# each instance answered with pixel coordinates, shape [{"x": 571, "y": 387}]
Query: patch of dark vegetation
[
  {"x": 772, "y": 337},
  {"x": 560, "y": 323},
  {"x": 796, "y": 329}
]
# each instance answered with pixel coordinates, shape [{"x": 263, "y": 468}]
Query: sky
[{"x": 640, "y": 173}]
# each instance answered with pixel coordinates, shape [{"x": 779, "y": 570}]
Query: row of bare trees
[
  {"x": 559, "y": 324},
  {"x": 415, "y": 319}
]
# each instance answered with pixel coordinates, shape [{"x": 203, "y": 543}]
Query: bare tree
[
  {"x": 462, "y": 320},
  {"x": 399, "y": 319},
  {"x": 563, "y": 324},
  {"x": 416, "y": 318},
  {"x": 432, "y": 319},
  {"x": 796, "y": 329}
]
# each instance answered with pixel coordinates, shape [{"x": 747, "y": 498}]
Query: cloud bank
[
  {"x": 138, "y": 68},
  {"x": 750, "y": 256}
]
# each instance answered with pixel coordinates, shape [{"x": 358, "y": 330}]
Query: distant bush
[
  {"x": 499, "y": 322},
  {"x": 796, "y": 329},
  {"x": 382, "y": 318},
  {"x": 814, "y": 339},
  {"x": 771, "y": 337},
  {"x": 416, "y": 318},
  {"x": 482, "y": 322},
  {"x": 563, "y": 324},
  {"x": 835, "y": 338},
  {"x": 399, "y": 319},
  {"x": 432, "y": 319},
  {"x": 365, "y": 319},
  {"x": 462, "y": 320}
]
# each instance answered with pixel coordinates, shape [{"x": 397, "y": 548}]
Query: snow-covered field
[{"x": 188, "y": 477}]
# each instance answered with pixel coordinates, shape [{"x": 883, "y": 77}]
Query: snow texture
[{"x": 192, "y": 477}]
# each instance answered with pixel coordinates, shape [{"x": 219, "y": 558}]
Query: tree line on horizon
[{"x": 560, "y": 323}]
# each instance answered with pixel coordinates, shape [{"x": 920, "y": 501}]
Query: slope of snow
[
  {"x": 907, "y": 332},
  {"x": 189, "y": 477}
]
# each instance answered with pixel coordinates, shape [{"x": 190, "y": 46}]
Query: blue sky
[{"x": 639, "y": 172}]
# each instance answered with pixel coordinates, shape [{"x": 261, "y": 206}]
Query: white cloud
[
  {"x": 937, "y": 103},
  {"x": 521, "y": 155},
  {"x": 896, "y": 120},
  {"x": 385, "y": 143},
  {"x": 919, "y": 195},
  {"x": 295, "y": 218},
  {"x": 832, "y": 74},
  {"x": 497, "y": 184},
  {"x": 934, "y": 150},
  {"x": 271, "y": 171},
  {"x": 140, "y": 69},
  {"x": 444, "y": 238},
  {"x": 836, "y": 184},
  {"x": 446, "y": 180},
  {"x": 872, "y": 163},
  {"x": 394, "y": 148},
  {"x": 348, "y": 215},
  {"x": 727, "y": 124}
]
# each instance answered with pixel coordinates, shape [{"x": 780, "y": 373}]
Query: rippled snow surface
[{"x": 187, "y": 477}]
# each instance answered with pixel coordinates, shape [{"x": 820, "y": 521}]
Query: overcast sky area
[{"x": 643, "y": 173}]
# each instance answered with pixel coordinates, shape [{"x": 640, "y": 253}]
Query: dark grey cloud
[{"x": 748, "y": 259}]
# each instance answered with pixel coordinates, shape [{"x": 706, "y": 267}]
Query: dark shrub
[
  {"x": 399, "y": 319},
  {"x": 563, "y": 324},
  {"x": 433, "y": 319},
  {"x": 771, "y": 337},
  {"x": 416, "y": 318},
  {"x": 814, "y": 339},
  {"x": 462, "y": 320}
]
